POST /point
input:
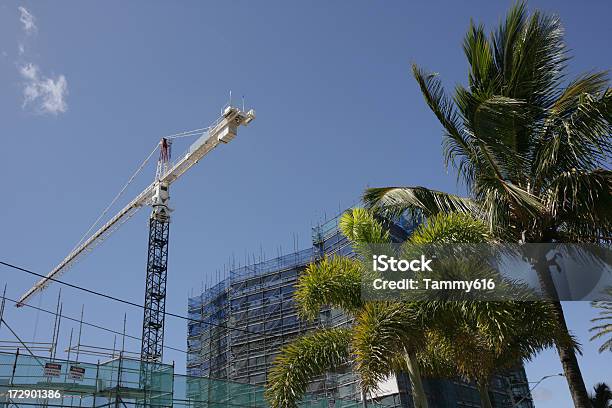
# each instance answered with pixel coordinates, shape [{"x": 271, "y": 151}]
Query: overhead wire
[
  {"x": 86, "y": 323},
  {"x": 21, "y": 341},
  {"x": 127, "y": 302}
]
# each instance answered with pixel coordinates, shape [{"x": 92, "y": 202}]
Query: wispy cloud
[
  {"x": 41, "y": 93},
  {"x": 28, "y": 21},
  {"x": 46, "y": 95}
]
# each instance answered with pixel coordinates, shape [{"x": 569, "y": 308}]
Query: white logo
[{"x": 382, "y": 263}]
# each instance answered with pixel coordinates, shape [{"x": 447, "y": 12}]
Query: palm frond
[
  {"x": 508, "y": 34},
  {"x": 333, "y": 281},
  {"x": 415, "y": 202},
  {"x": 582, "y": 203},
  {"x": 594, "y": 83},
  {"x": 458, "y": 150},
  {"x": 604, "y": 322},
  {"x": 456, "y": 228},
  {"x": 382, "y": 334},
  {"x": 478, "y": 51},
  {"x": 486, "y": 337},
  {"x": 303, "y": 359},
  {"x": 505, "y": 205},
  {"x": 602, "y": 396},
  {"x": 495, "y": 128},
  {"x": 530, "y": 56},
  {"x": 360, "y": 226},
  {"x": 576, "y": 134}
]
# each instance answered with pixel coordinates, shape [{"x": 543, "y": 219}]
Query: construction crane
[{"x": 157, "y": 196}]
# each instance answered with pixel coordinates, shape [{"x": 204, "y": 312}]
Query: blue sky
[{"x": 87, "y": 89}]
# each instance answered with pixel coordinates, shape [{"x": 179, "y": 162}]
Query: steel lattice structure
[{"x": 155, "y": 292}]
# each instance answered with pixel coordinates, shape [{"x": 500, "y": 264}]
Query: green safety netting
[{"x": 126, "y": 382}]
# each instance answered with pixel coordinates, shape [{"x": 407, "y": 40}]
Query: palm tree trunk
[
  {"x": 567, "y": 354},
  {"x": 364, "y": 399},
  {"x": 485, "y": 398},
  {"x": 414, "y": 372}
]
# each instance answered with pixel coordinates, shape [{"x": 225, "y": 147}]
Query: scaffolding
[
  {"x": 116, "y": 383},
  {"x": 261, "y": 305},
  {"x": 103, "y": 384},
  {"x": 258, "y": 300}
]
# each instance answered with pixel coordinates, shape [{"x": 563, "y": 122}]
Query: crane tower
[{"x": 157, "y": 265}]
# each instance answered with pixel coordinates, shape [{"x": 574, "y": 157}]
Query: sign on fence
[
  {"x": 53, "y": 369},
  {"x": 76, "y": 373}
]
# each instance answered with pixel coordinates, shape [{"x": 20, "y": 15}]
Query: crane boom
[{"x": 222, "y": 131}]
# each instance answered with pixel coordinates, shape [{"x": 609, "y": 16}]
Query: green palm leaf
[
  {"x": 334, "y": 281},
  {"x": 416, "y": 201},
  {"x": 604, "y": 323},
  {"x": 303, "y": 359}
]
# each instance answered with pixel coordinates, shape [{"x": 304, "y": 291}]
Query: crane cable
[
  {"x": 119, "y": 194},
  {"x": 188, "y": 133},
  {"x": 131, "y": 179}
]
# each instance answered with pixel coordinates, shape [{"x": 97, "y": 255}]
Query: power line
[
  {"x": 21, "y": 341},
  {"x": 127, "y": 302},
  {"x": 88, "y": 323}
]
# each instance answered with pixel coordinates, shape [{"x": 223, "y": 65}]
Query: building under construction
[{"x": 248, "y": 316}]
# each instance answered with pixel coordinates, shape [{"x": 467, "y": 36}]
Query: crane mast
[
  {"x": 152, "y": 346},
  {"x": 157, "y": 196}
]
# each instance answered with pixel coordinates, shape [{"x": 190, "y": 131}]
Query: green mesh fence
[{"x": 124, "y": 383}]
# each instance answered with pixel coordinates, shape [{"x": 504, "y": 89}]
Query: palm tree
[
  {"x": 473, "y": 340},
  {"x": 604, "y": 322},
  {"x": 470, "y": 339},
  {"x": 602, "y": 398},
  {"x": 531, "y": 152}
]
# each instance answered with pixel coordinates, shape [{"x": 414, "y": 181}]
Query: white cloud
[
  {"x": 43, "y": 94},
  {"x": 28, "y": 21},
  {"x": 46, "y": 95}
]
